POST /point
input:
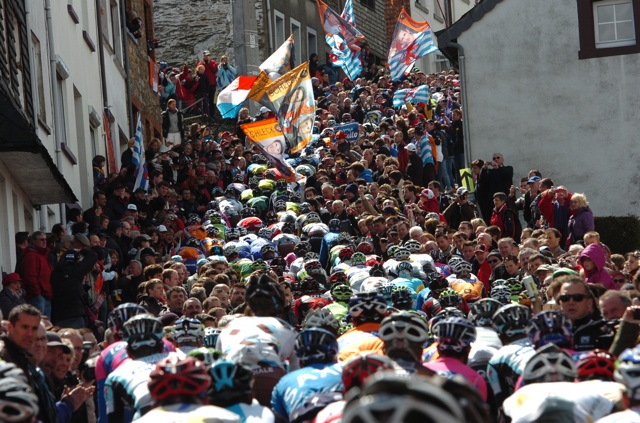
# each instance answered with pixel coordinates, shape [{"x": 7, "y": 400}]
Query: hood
[{"x": 596, "y": 254}]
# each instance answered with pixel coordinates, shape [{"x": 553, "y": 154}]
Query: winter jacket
[
  {"x": 591, "y": 332},
  {"x": 35, "y": 270},
  {"x": 166, "y": 123},
  {"x": 210, "y": 69},
  {"x": 505, "y": 219},
  {"x": 9, "y": 299},
  {"x": 70, "y": 295},
  {"x": 457, "y": 213},
  {"x": 579, "y": 224},
  {"x": 595, "y": 253}
]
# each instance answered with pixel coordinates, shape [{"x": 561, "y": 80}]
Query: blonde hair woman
[{"x": 581, "y": 220}]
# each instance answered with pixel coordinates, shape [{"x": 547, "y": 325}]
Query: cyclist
[
  {"x": 188, "y": 334},
  {"x": 366, "y": 309},
  {"x": 403, "y": 334},
  {"x": 626, "y": 373},
  {"x": 18, "y": 403}
]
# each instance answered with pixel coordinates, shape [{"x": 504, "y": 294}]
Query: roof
[{"x": 452, "y": 33}]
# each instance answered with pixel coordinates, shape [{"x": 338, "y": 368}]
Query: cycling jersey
[
  {"x": 339, "y": 309},
  {"x": 126, "y": 389},
  {"x": 275, "y": 334},
  {"x": 564, "y": 401},
  {"x": 627, "y": 416},
  {"x": 359, "y": 339},
  {"x": 448, "y": 366},
  {"x": 294, "y": 388},
  {"x": 332, "y": 413},
  {"x": 189, "y": 413},
  {"x": 506, "y": 366},
  {"x": 252, "y": 413}
]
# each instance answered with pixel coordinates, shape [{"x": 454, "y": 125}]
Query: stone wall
[{"x": 187, "y": 28}]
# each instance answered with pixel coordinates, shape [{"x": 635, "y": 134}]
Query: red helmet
[
  {"x": 358, "y": 368},
  {"x": 365, "y": 247},
  {"x": 178, "y": 377},
  {"x": 597, "y": 364},
  {"x": 345, "y": 253}
]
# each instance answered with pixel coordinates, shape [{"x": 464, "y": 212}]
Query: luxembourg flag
[
  {"x": 411, "y": 95},
  {"x": 138, "y": 160},
  {"x": 231, "y": 98}
]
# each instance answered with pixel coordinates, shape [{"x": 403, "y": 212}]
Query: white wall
[{"x": 530, "y": 98}]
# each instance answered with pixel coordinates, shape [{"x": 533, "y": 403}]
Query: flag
[
  {"x": 341, "y": 55},
  {"x": 138, "y": 160},
  {"x": 258, "y": 91},
  {"x": 268, "y": 137},
  {"x": 280, "y": 61},
  {"x": 411, "y": 95},
  {"x": 334, "y": 24},
  {"x": 111, "y": 152},
  {"x": 411, "y": 40},
  {"x": 230, "y": 99}
]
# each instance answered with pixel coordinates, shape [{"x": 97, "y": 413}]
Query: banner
[
  {"x": 269, "y": 139},
  {"x": 411, "y": 95},
  {"x": 112, "y": 160},
  {"x": 258, "y": 91},
  {"x": 351, "y": 129},
  {"x": 411, "y": 40},
  {"x": 279, "y": 62},
  {"x": 138, "y": 160}
]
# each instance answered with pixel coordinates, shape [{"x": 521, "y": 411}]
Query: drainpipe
[
  {"x": 125, "y": 55},
  {"x": 57, "y": 116},
  {"x": 103, "y": 78},
  {"x": 465, "y": 103}
]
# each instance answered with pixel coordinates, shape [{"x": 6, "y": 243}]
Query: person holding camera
[{"x": 462, "y": 210}]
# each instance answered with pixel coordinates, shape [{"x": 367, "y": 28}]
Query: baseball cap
[
  {"x": 481, "y": 248},
  {"x": 54, "y": 340},
  {"x": 411, "y": 147},
  {"x": 462, "y": 191},
  {"x": 206, "y": 53},
  {"x": 162, "y": 228},
  {"x": 82, "y": 239},
  {"x": 533, "y": 179},
  {"x": 264, "y": 109},
  {"x": 132, "y": 207},
  {"x": 147, "y": 252}
]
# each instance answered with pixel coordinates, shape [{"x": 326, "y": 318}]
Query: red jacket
[
  {"x": 210, "y": 69},
  {"x": 35, "y": 270}
]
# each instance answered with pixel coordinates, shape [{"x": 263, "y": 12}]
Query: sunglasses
[
  {"x": 575, "y": 297},
  {"x": 497, "y": 157}
]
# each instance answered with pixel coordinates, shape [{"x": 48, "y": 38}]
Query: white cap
[
  {"x": 411, "y": 147},
  {"x": 162, "y": 228},
  {"x": 132, "y": 207},
  {"x": 264, "y": 109}
]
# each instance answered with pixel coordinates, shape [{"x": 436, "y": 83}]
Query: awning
[{"x": 27, "y": 159}]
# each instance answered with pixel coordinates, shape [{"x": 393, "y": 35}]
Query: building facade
[{"x": 556, "y": 94}]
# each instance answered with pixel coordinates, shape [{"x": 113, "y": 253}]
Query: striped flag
[
  {"x": 411, "y": 95},
  {"x": 341, "y": 55},
  {"x": 233, "y": 96},
  {"x": 411, "y": 41},
  {"x": 138, "y": 160}
]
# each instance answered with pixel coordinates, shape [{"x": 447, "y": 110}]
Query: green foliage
[{"x": 620, "y": 233}]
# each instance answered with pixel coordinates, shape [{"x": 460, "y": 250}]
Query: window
[
  {"x": 312, "y": 42},
  {"x": 437, "y": 11},
  {"x": 614, "y": 24},
  {"x": 297, "y": 41},
  {"x": 41, "y": 105},
  {"x": 116, "y": 31},
  {"x": 608, "y": 28},
  {"x": 62, "y": 129},
  {"x": 278, "y": 29},
  {"x": 371, "y": 4}
]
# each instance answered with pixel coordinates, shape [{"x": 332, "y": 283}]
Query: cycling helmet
[
  {"x": 550, "y": 327},
  {"x": 385, "y": 289},
  {"x": 498, "y": 282},
  {"x": 142, "y": 330},
  {"x": 387, "y": 397},
  {"x": 215, "y": 218},
  {"x": 122, "y": 313},
  {"x": 413, "y": 246},
  {"x": 341, "y": 291},
  {"x": 315, "y": 345},
  {"x": 338, "y": 278},
  {"x": 310, "y": 256},
  {"x": 431, "y": 307},
  {"x": 358, "y": 259},
  {"x": 211, "y": 337},
  {"x": 193, "y": 243},
  {"x": 597, "y": 365},
  {"x": 454, "y": 260},
  {"x": 259, "y": 158},
  {"x": 437, "y": 283},
  {"x": 628, "y": 371},
  {"x": 474, "y": 407},
  {"x": 334, "y": 225},
  {"x": 248, "y": 212},
  {"x": 305, "y": 208},
  {"x": 216, "y": 192},
  {"x": 366, "y": 307},
  {"x": 178, "y": 377},
  {"x": 449, "y": 298},
  {"x": 511, "y": 320},
  {"x": 482, "y": 312},
  {"x": 294, "y": 198},
  {"x": 231, "y": 383},
  {"x": 268, "y": 248},
  {"x": 549, "y": 364},
  {"x": 345, "y": 253},
  {"x": 501, "y": 293},
  {"x": 343, "y": 239},
  {"x": 323, "y": 319},
  {"x": 280, "y": 205},
  {"x": 313, "y": 267},
  {"x": 404, "y": 326},
  {"x": 358, "y": 368},
  {"x": 193, "y": 219},
  {"x": 438, "y": 256},
  {"x": 265, "y": 233},
  {"x": 216, "y": 250},
  {"x": 238, "y": 177},
  {"x": 259, "y": 264},
  {"x": 232, "y": 234},
  {"x": 212, "y": 231},
  {"x": 377, "y": 270},
  {"x": 18, "y": 402},
  {"x": 254, "y": 182},
  {"x": 391, "y": 251},
  {"x": 281, "y": 185},
  {"x": 312, "y": 217},
  {"x": 514, "y": 285},
  {"x": 230, "y": 250},
  {"x": 402, "y": 298},
  {"x": 365, "y": 248},
  {"x": 404, "y": 269},
  {"x": 443, "y": 314},
  {"x": 461, "y": 267},
  {"x": 232, "y": 192},
  {"x": 454, "y": 334},
  {"x": 187, "y": 330},
  {"x": 402, "y": 254},
  {"x": 206, "y": 355}
]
